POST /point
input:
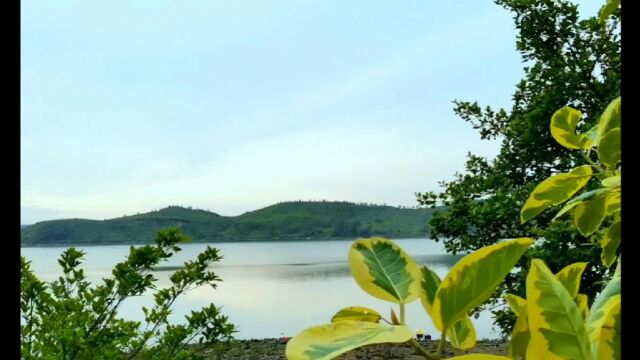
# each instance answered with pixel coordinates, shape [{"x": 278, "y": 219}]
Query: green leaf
[
  {"x": 394, "y": 318},
  {"x": 583, "y": 304},
  {"x": 473, "y": 279},
  {"x": 462, "y": 333},
  {"x": 567, "y": 207},
  {"x": 609, "y": 148},
  {"x": 589, "y": 215},
  {"x": 611, "y": 181},
  {"x": 384, "y": 270},
  {"x": 563, "y": 129},
  {"x": 598, "y": 310},
  {"x": 609, "y": 243},
  {"x": 608, "y": 9},
  {"x": 613, "y": 201},
  {"x": 587, "y": 195},
  {"x": 556, "y": 325},
  {"x": 593, "y": 135},
  {"x": 607, "y": 345},
  {"x": 520, "y": 334},
  {"x": 610, "y": 118},
  {"x": 479, "y": 357},
  {"x": 327, "y": 341},
  {"x": 570, "y": 277},
  {"x": 430, "y": 283},
  {"x": 555, "y": 190},
  {"x": 517, "y": 304},
  {"x": 357, "y": 313}
]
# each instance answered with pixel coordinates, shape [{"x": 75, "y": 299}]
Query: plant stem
[
  {"x": 585, "y": 155},
  {"x": 402, "y": 314},
  {"x": 441, "y": 345},
  {"x": 422, "y": 351}
]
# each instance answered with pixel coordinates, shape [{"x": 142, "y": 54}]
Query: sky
[{"x": 230, "y": 106}]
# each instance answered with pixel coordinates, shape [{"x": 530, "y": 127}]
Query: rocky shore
[{"x": 272, "y": 349}]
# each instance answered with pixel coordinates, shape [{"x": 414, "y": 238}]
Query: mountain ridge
[{"x": 292, "y": 220}]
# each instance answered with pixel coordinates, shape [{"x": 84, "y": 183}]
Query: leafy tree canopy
[{"x": 568, "y": 61}]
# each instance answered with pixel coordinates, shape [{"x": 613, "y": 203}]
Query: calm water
[{"x": 268, "y": 289}]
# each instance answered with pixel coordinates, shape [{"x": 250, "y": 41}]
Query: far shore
[{"x": 217, "y": 241}]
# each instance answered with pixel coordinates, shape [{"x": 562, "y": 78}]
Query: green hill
[{"x": 300, "y": 220}]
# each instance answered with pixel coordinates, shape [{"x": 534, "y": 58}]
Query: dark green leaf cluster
[{"x": 71, "y": 318}]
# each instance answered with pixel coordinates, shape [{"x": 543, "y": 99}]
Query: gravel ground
[{"x": 272, "y": 349}]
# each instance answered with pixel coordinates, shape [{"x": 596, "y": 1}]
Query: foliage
[
  {"x": 71, "y": 318},
  {"x": 284, "y": 221},
  {"x": 385, "y": 271},
  {"x": 601, "y": 204},
  {"x": 557, "y": 323},
  {"x": 553, "y": 322},
  {"x": 568, "y": 61}
]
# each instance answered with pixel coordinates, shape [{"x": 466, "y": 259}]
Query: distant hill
[{"x": 300, "y": 220}]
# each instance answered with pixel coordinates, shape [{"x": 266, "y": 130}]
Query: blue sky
[{"x": 129, "y": 106}]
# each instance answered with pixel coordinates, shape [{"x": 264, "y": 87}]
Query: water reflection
[
  {"x": 267, "y": 288},
  {"x": 340, "y": 269},
  {"x": 314, "y": 270}
]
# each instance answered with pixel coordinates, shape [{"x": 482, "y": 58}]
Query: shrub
[{"x": 71, "y": 318}]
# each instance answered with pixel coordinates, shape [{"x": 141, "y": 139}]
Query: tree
[{"x": 568, "y": 62}]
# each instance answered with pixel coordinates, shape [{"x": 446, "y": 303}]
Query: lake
[{"x": 268, "y": 288}]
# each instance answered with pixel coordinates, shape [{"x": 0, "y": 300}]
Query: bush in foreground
[{"x": 71, "y": 318}]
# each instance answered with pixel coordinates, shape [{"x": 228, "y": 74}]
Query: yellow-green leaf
[
  {"x": 430, "y": 283},
  {"x": 601, "y": 303},
  {"x": 479, "y": 357},
  {"x": 462, "y": 333},
  {"x": 563, "y": 129},
  {"x": 357, "y": 313},
  {"x": 610, "y": 242},
  {"x": 611, "y": 181},
  {"x": 394, "y": 318},
  {"x": 609, "y": 148},
  {"x": 570, "y": 277},
  {"x": 520, "y": 334},
  {"x": 384, "y": 270},
  {"x": 613, "y": 201},
  {"x": 592, "y": 135},
  {"x": 556, "y": 326},
  {"x": 587, "y": 195},
  {"x": 567, "y": 207},
  {"x": 473, "y": 279},
  {"x": 610, "y": 118},
  {"x": 517, "y": 304},
  {"x": 583, "y": 304},
  {"x": 607, "y": 345},
  {"x": 589, "y": 215},
  {"x": 608, "y": 9},
  {"x": 555, "y": 190},
  {"x": 327, "y": 341}
]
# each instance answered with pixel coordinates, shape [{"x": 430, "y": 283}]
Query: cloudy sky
[{"x": 129, "y": 106}]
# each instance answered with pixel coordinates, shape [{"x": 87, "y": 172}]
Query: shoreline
[
  {"x": 215, "y": 242},
  {"x": 273, "y": 349}
]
